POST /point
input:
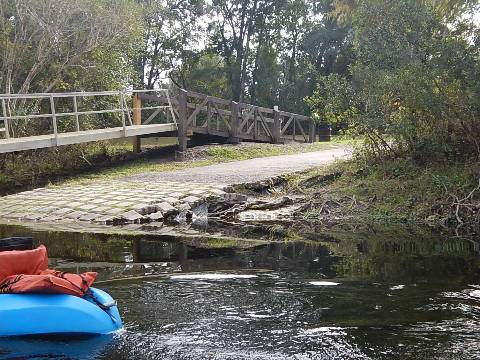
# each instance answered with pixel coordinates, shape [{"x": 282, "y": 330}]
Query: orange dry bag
[
  {"x": 28, "y": 262},
  {"x": 27, "y": 272}
]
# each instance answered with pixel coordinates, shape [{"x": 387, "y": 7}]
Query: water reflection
[{"x": 377, "y": 294}]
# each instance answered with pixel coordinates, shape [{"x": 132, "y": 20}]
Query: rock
[
  {"x": 176, "y": 195},
  {"x": 105, "y": 219},
  {"x": 198, "y": 192},
  {"x": 75, "y": 215},
  {"x": 200, "y": 211},
  {"x": 114, "y": 211},
  {"x": 145, "y": 209},
  {"x": 131, "y": 216},
  {"x": 62, "y": 212},
  {"x": 34, "y": 217},
  {"x": 88, "y": 217},
  {"x": 234, "y": 197},
  {"x": 155, "y": 216},
  {"x": 184, "y": 207},
  {"x": 171, "y": 200},
  {"x": 166, "y": 209},
  {"x": 217, "y": 192},
  {"x": 87, "y": 207},
  {"x": 191, "y": 200}
]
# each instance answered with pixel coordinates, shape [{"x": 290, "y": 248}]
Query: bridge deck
[{"x": 44, "y": 141}]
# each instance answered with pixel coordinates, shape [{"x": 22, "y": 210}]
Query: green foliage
[
  {"x": 334, "y": 101},
  {"x": 45, "y": 42},
  {"x": 268, "y": 71},
  {"x": 414, "y": 86},
  {"x": 170, "y": 31},
  {"x": 204, "y": 73}
]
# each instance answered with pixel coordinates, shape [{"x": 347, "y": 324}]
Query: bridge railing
[
  {"x": 206, "y": 114},
  {"x": 15, "y": 108}
]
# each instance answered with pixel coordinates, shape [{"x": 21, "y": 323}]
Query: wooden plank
[
  {"x": 302, "y": 130},
  {"x": 294, "y": 130},
  {"x": 197, "y": 110},
  {"x": 160, "y": 99},
  {"x": 233, "y": 126},
  {"x": 182, "y": 122},
  {"x": 212, "y": 98},
  {"x": 265, "y": 110},
  {"x": 249, "y": 130},
  {"x": 218, "y": 112},
  {"x": 311, "y": 132},
  {"x": 265, "y": 127},
  {"x": 277, "y": 126},
  {"x": 209, "y": 116},
  {"x": 255, "y": 123},
  {"x": 151, "y": 117},
  {"x": 287, "y": 124},
  {"x": 5, "y": 121},
  {"x": 189, "y": 105},
  {"x": 246, "y": 118},
  {"x": 289, "y": 114}
]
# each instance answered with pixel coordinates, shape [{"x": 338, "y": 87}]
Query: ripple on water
[
  {"x": 230, "y": 316},
  {"x": 323, "y": 283},
  {"x": 211, "y": 276}
]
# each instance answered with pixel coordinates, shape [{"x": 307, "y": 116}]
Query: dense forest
[{"x": 404, "y": 74}]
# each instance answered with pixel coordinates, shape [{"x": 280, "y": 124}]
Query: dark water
[{"x": 375, "y": 294}]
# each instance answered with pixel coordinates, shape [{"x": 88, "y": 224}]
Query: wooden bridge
[{"x": 33, "y": 121}]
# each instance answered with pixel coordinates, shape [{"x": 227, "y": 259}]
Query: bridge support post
[
  {"x": 137, "y": 120},
  {"x": 311, "y": 133},
  {"x": 182, "y": 125},
  {"x": 277, "y": 126},
  {"x": 234, "y": 124}
]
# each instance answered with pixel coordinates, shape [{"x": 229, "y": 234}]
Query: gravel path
[{"x": 246, "y": 171}]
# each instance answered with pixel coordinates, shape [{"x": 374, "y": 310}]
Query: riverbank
[
  {"x": 400, "y": 190},
  {"x": 346, "y": 192}
]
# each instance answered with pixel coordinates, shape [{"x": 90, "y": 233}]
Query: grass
[
  {"x": 399, "y": 190},
  {"x": 224, "y": 153}
]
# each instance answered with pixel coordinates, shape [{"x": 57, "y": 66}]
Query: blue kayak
[{"x": 43, "y": 314}]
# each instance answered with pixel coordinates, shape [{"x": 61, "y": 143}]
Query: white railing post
[
  {"x": 75, "y": 110},
  {"x": 5, "y": 121},
  {"x": 54, "y": 119},
  {"x": 122, "y": 106}
]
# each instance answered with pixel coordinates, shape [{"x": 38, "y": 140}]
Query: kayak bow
[{"x": 42, "y": 314}]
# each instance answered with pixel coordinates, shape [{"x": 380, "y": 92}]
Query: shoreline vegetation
[{"x": 395, "y": 191}]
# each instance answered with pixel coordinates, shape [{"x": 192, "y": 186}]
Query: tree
[
  {"x": 43, "y": 40},
  {"x": 171, "y": 30},
  {"x": 204, "y": 72},
  {"x": 413, "y": 87},
  {"x": 237, "y": 27},
  {"x": 64, "y": 45}
]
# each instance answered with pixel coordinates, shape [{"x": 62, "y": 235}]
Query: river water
[{"x": 373, "y": 294}]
